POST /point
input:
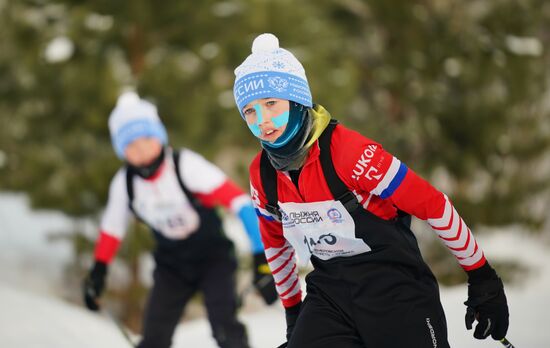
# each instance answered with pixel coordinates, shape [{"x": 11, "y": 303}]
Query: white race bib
[
  {"x": 175, "y": 219},
  {"x": 324, "y": 229}
]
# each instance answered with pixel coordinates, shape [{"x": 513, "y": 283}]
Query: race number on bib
[
  {"x": 324, "y": 229},
  {"x": 175, "y": 220}
]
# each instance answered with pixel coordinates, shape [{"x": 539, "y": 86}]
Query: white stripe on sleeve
[
  {"x": 388, "y": 177},
  {"x": 456, "y": 235}
]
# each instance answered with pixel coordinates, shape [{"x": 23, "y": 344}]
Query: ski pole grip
[{"x": 506, "y": 343}]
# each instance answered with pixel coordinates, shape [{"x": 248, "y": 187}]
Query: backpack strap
[
  {"x": 339, "y": 190},
  {"x": 130, "y": 190},
  {"x": 176, "y": 158},
  {"x": 268, "y": 175},
  {"x": 130, "y": 187}
]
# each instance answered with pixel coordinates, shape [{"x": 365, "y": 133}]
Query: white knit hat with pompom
[
  {"x": 270, "y": 72},
  {"x": 133, "y": 118}
]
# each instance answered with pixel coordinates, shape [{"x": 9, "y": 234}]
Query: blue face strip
[
  {"x": 288, "y": 134},
  {"x": 295, "y": 123},
  {"x": 280, "y": 120},
  {"x": 255, "y": 127}
]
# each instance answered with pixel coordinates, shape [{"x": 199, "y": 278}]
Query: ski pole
[
  {"x": 250, "y": 288},
  {"x": 121, "y": 328},
  {"x": 506, "y": 343},
  {"x": 243, "y": 294}
]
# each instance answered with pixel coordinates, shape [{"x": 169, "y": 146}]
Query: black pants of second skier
[
  {"x": 173, "y": 288},
  {"x": 370, "y": 306}
]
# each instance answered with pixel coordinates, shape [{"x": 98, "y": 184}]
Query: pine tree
[{"x": 454, "y": 89}]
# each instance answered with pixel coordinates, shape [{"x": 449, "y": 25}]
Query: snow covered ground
[{"x": 32, "y": 316}]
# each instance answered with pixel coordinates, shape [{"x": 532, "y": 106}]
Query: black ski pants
[
  {"x": 174, "y": 287},
  {"x": 359, "y": 305}
]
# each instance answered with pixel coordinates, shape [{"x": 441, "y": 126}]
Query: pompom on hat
[
  {"x": 133, "y": 118},
  {"x": 270, "y": 72}
]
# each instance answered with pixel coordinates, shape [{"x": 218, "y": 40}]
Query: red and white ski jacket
[
  {"x": 381, "y": 183},
  {"x": 161, "y": 202}
]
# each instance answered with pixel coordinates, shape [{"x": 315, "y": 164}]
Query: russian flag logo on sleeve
[{"x": 393, "y": 178}]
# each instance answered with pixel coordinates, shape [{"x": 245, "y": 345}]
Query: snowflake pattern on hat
[{"x": 270, "y": 72}]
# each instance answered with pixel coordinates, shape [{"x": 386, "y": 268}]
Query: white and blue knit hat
[
  {"x": 270, "y": 72},
  {"x": 133, "y": 118}
]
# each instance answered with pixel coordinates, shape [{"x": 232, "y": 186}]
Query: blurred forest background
[{"x": 458, "y": 90}]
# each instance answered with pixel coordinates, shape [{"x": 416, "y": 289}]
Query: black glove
[
  {"x": 291, "y": 314},
  {"x": 94, "y": 284},
  {"x": 263, "y": 279},
  {"x": 486, "y": 303}
]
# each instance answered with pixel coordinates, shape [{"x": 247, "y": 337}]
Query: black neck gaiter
[
  {"x": 150, "y": 169},
  {"x": 292, "y": 155}
]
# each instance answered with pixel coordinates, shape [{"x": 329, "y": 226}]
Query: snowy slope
[
  {"x": 34, "y": 321},
  {"x": 529, "y": 304},
  {"x": 27, "y": 258},
  {"x": 31, "y": 315}
]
